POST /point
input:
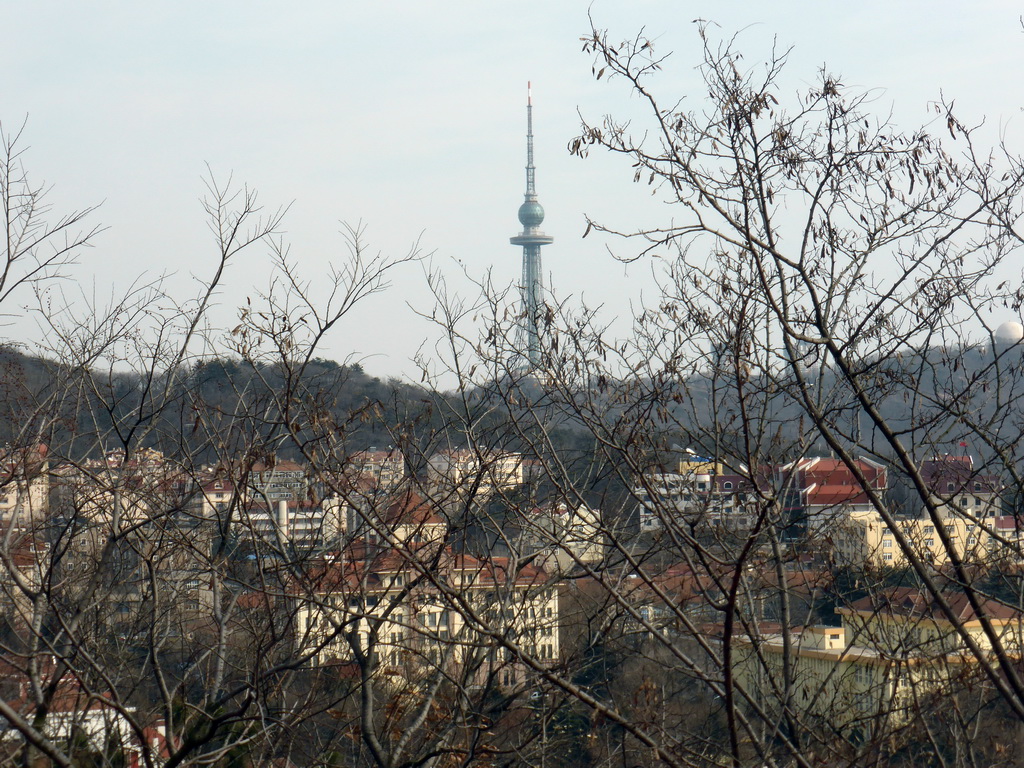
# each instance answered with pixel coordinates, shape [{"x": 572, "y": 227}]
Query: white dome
[{"x": 1010, "y": 332}]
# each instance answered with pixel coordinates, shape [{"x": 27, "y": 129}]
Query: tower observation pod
[{"x": 531, "y": 216}]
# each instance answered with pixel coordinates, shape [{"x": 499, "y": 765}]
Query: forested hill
[
  {"x": 95, "y": 410},
  {"x": 223, "y": 405}
]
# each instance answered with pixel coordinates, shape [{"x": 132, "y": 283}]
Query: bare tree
[
  {"x": 826, "y": 311},
  {"x": 774, "y": 525}
]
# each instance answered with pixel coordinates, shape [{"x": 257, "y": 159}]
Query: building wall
[
  {"x": 861, "y": 537},
  {"x": 420, "y": 630},
  {"x": 876, "y": 665}
]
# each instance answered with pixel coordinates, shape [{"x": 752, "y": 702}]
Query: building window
[
  {"x": 887, "y": 543},
  {"x": 971, "y": 540},
  {"x": 887, "y": 556},
  {"x": 929, "y": 529},
  {"x": 727, "y": 486},
  {"x": 929, "y": 542}
]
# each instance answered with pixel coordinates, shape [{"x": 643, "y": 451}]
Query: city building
[
  {"x": 76, "y": 720},
  {"x": 700, "y": 494},
  {"x": 817, "y": 492},
  {"x": 277, "y": 479},
  {"x": 967, "y": 520},
  {"x": 385, "y": 469},
  {"x": 564, "y": 535},
  {"x": 474, "y": 473},
  {"x": 414, "y": 611},
  {"x": 405, "y": 519},
  {"x": 892, "y": 651},
  {"x": 24, "y": 485}
]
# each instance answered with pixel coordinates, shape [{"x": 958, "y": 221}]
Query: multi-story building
[
  {"x": 278, "y": 479},
  {"x": 215, "y": 498},
  {"x": 967, "y": 514},
  {"x": 465, "y": 472},
  {"x": 385, "y": 469},
  {"x": 404, "y": 594},
  {"x": 404, "y": 519},
  {"x": 413, "y": 611},
  {"x": 564, "y": 535},
  {"x": 294, "y": 522},
  {"x": 78, "y": 721},
  {"x": 24, "y": 485},
  {"x": 817, "y": 492},
  {"x": 122, "y": 490},
  {"x": 892, "y": 651},
  {"x": 701, "y": 493}
]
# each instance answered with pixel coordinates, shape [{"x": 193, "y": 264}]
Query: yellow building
[
  {"x": 24, "y": 486},
  {"x": 384, "y": 605},
  {"x": 967, "y": 505},
  {"x": 863, "y": 539},
  {"x": 892, "y": 651},
  {"x": 399, "y": 599},
  {"x": 467, "y": 472}
]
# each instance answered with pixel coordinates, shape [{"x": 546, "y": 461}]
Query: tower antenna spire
[
  {"x": 531, "y": 188},
  {"x": 531, "y": 215}
]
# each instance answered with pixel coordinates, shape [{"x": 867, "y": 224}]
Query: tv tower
[{"x": 531, "y": 214}]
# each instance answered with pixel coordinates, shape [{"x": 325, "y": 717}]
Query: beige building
[
  {"x": 402, "y": 594},
  {"x": 892, "y": 651},
  {"x": 386, "y": 470},
  {"x": 565, "y": 535},
  {"x": 414, "y": 623},
  {"x": 474, "y": 473},
  {"x": 24, "y": 485},
  {"x": 862, "y": 538},
  {"x": 968, "y": 515},
  {"x": 120, "y": 492}
]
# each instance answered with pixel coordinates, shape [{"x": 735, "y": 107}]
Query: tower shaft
[{"x": 531, "y": 215}]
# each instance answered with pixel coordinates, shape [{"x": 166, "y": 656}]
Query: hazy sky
[{"x": 409, "y": 117}]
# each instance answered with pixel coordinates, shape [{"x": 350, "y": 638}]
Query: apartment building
[
  {"x": 416, "y": 611},
  {"x": 293, "y": 522},
  {"x": 277, "y": 479},
  {"x": 386, "y": 470},
  {"x": 564, "y": 535},
  {"x": 892, "y": 652},
  {"x": 467, "y": 472},
  {"x": 701, "y": 492},
  {"x": 78, "y": 721},
  {"x": 24, "y": 485},
  {"x": 816, "y": 492},
  {"x": 967, "y": 514},
  {"x": 120, "y": 490}
]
